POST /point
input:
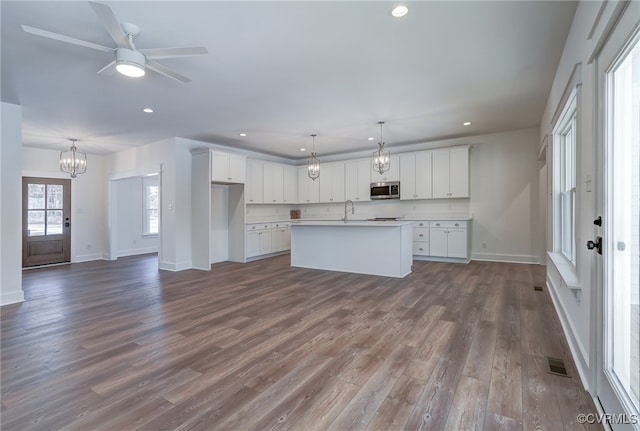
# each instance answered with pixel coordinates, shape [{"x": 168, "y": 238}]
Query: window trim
[
  {"x": 567, "y": 116},
  {"x": 149, "y": 181}
]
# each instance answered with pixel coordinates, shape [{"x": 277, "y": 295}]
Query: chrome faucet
[{"x": 353, "y": 209}]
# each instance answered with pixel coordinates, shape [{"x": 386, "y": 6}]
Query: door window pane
[
  {"x": 54, "y": 222},
  {"x": 36, "y": 196},
  {"x": 35, "y": 222},
  {"x": 54, "y": 196}
]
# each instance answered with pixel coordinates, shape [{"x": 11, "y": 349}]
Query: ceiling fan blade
[
  {"x": 163, "y": 70},
  {"x": 63, "y": 38},
  {"x": 112, "y": 24},
  {"x": 107, "y": 68},
  {"x": 157, "y": 53}
]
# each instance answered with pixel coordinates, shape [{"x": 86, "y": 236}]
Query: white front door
[{"x": 616, "y": 241}]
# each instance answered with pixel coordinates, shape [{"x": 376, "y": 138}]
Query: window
[
  {"x": 151, "y": 205},
  {"x": 565, "y": 180}
]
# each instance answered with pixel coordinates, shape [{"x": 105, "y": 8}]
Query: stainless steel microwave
[{"x": 387, "y": 190}]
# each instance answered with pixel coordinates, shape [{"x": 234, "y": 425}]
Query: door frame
[
  {"x": 622, "y": 33},
  {"x": 66, "y": 222}
]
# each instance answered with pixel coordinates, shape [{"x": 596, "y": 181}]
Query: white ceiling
[{"x": 279, "y": 71}]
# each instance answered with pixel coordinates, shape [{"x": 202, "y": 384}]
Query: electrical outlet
[
  {"x": 88, "y": 246},
  {"x": 484, "y": 244}
]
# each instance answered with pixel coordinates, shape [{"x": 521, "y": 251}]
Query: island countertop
[{"x": 351, "y": 223}]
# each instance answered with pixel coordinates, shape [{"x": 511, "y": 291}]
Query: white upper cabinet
[
  {"x": 308, "y": 189},
  {"x": 450, "y": 172},
  {"x": 271, "y": 183},
  {"x": 290, "y": 184},
  {"x": 253, "y": 188},
  {"x": 332, "y": 182},
  {"x": 228, "y": 167},
  {"x": 273, "y": 180},
  {"x": 393, "y": 174},
  {"x": 415, "y": 175},
  {"x": 357, "y": 180}
]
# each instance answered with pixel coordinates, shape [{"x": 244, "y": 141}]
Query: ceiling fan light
[{"x": 130, "y": 63}]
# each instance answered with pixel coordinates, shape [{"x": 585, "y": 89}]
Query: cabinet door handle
[
  {"x": 421, "y": 235},
  {"x": 457, "y": 224},
  {"x": 421, "y": 224},
  {"x": 420, "y": 249}
]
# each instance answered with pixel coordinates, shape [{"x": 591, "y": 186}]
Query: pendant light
[
  {"x": 381, "y": 158},
  {"x": 73, "y": 161},
  {"x": 313, "y": 165}
]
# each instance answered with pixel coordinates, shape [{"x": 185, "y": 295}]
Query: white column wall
[{"x": 11, "y": 205}]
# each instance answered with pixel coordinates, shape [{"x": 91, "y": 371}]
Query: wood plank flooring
[{"x": 262, "y": 346}]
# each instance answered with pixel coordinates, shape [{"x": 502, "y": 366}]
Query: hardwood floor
[{"x": 123, "y": 346}]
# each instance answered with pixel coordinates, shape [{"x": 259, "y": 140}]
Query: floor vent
[
  {"x": 537, "y": 288},
  {"x": 556, "y": 366}
]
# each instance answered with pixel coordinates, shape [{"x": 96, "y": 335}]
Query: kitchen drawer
[
  {"x": 421, "y": 234},
  {"x": 421, "y": 223},
  {"x": 281, "y": 225},
  {"x": 421, "y": 248},
  {"x": 258, "y": 226},
  {"x": 460, "y": 224}
]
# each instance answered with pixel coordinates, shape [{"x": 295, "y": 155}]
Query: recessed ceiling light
[
  {"x": 399, "y": 11},
  {"x": 303, "y": 149},
  {"x": 370, "y": 139},
  {"x": 147, "y": 110},
  {"x": 466, "y": 123},
  {"x": 243, "y": 134}
]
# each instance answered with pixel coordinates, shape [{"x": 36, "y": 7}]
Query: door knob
[
  {"x": 598, "y": 221},
  {"x": 597, "y": 245}
]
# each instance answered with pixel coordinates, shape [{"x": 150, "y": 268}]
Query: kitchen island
[{"x": 382, "y": 248}]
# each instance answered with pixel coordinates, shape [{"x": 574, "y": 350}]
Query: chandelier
[
  {"x": 73, "y": 161},
  {"x": 381, "y": 158},
  {"x": 313, "y": 165}
]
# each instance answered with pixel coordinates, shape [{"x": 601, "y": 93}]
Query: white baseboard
[
  {"x": 89, "y": 257},
  {"x": 171, "y": 266},
  {"x": 509, "y": 258},
  {"x": 12, "y": 297},
  {"x": 136, "y": 251}
]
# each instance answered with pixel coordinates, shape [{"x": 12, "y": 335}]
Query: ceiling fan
[{"x": 129, "y": 60}]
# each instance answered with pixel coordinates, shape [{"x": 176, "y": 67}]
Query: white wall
[
  {"x": 219, "y": 245},
  {"x": 128, "y": 201},
  {"x": 172, "y": 160},
  {"x": 11, "y": 204},
  {"x": 577, "y": 309},
  {"x": 88, "y": 199},
  {"x": 504, "y": 197}
]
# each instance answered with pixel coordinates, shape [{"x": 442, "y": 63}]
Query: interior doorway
[{"x": 46, "y": 221}]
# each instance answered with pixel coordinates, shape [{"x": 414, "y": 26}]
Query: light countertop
[{"x": 340, "y": 223}]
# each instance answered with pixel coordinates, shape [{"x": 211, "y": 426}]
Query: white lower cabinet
[
  {"x": 258, "y": 239},
  {"x": 421, "y": 238},
  {"x": 448, "y": 239},
  {"x": 266, "y": 238},
  {"x": 280, "y": 237}
]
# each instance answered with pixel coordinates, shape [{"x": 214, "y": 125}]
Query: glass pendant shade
[
  {"x": 73, "y": 161},
  {"x": 381, "y": 158},
  {"x": 313, "y": 165}
]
